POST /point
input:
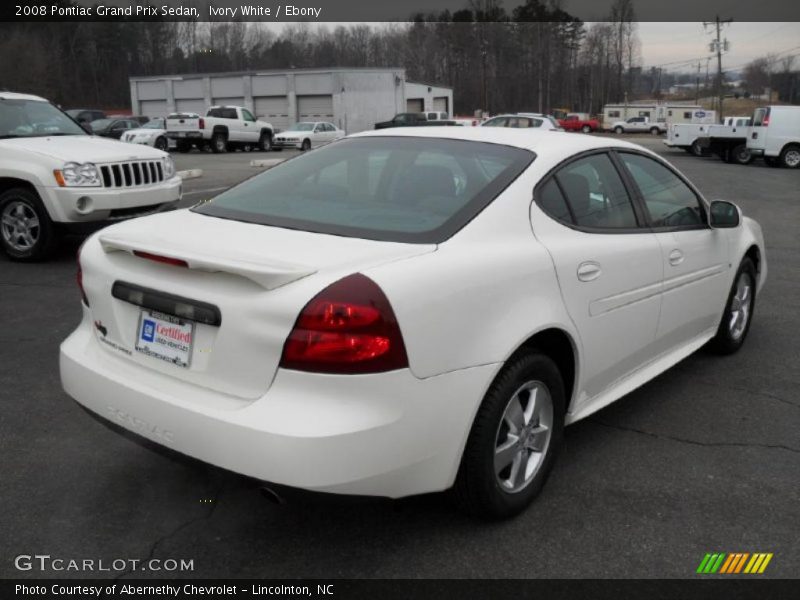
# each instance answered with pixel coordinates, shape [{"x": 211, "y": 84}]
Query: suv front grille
[{"x": 132, "y": 174}]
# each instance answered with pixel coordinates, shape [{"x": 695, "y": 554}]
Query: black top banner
[{"x": 392, "y": 10}]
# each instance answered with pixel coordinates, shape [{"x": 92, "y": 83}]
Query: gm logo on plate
[{"x": 148, "y": 330}]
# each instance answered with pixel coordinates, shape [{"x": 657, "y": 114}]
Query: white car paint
[
  {"x": 775, "y": 134},
  {"x": 317, "y": 133},
  {"x": 464, "y": 305},
  {"x": 523, "y": 121},
  {"x": 32, "y": 159},
  {"x": 151, "y": 134}
]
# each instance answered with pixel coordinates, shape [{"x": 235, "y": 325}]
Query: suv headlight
[
  {"x": 169, "y": 167},
  {"x": 78, "y": 175}
]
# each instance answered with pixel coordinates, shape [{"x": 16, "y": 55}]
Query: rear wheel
[
  {"x": 738, "y": 311},
  {"x": 514, "y": 440},
  {"x": 790, "y": 157},
  {"x": 26, "y": 231},
  {"x": 654, "y": 131},
  {"x": 697, "y": 149},
  {"x": 586, "y": 129},
  {"x": 219, "y": 143},
  {"x": 619, "y": 130},
  {"x": 161, "y": 144}
]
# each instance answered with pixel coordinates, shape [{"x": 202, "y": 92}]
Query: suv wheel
[
  {"x": 790, "y": 157},
  {"x": 265, "y": 142},
  {"x": 514, "y": 439},
  {"x": 219, "y": 143},
  {"x": 26, "y": 232}
]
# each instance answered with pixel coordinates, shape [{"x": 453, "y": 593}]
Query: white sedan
[
  {"x": 306, "y": 135},
  {"x": 153, "y": 133},
  {"x": 409, "y": 311}
]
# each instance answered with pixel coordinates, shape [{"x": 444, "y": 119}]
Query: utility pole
[
  {"x": 717, "y": 45},
  {"x": 697, "y": 86}
]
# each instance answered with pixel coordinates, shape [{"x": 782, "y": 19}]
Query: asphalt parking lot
[{"x": 705, "y": 458}]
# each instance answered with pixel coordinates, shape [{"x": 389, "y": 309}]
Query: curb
[
  {"x": 266, "y": 162},
  {"x": 190, "y": 174}
]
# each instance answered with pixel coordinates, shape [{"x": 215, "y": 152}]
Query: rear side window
[
  {"x": 552, "y": 201},
  {"x": 596, "y": 194},
  {"x": 404, "y": 189},
  {"x": 670, "y": 202}
]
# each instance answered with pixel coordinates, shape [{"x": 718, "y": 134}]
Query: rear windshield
[{"x": 401, "y": 189}]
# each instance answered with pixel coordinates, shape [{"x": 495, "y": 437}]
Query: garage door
[
  {"x": 154, "y": 108},
  {"x": 192, "y": 106},
  {"x": 228, "y": 102},
  {"x": 415, "y": 105},
  {"x": 315, "y": 108},
  {"x": 440, "y": 104},
  {"x": 273, "y": 110}
]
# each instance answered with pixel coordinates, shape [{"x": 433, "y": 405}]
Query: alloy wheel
[
  {"x": 20, "y": 226},
  {"x": 740, "y": 306}
]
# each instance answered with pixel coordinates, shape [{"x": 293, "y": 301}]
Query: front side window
[
  {"x": 404, "y": 189},
  {"x": 670, "y": 202},
  {"x": 595, "y": 193},
  {"x": 247, "y": 115}
]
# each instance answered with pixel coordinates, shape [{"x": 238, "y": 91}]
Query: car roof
[
  {"x": 541, "y": 142},
  {"x": 16, "y": 96}
]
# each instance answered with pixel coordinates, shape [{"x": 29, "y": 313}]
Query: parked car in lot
[
  {"x": 412, "y": 120},
  {"x": 154, "y": 133},
  {"x": 112, "y": 128},
  {"x": 639, "y": 125},
  {"x": 579, "y": 122},
  {"x": 140, "y": 119},
  {"x": 306, "y": 135},
  {"x": 775, "y": 135},
  {"x": 222, "y": 128},
  {"x": 56, "y": 178},
  {"x": 524, "y": 121},
  {"x": 84, "y": 116},
  {"x": 408, "y": 311}
]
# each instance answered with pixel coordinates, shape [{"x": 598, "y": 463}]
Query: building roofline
[{"x": 181, "y": 76}]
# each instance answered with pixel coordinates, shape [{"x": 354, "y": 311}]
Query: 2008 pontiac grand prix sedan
[{"x": 409, "y": 311}]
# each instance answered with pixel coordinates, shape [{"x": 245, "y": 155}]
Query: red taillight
[
  {"x": 202, "y": 123},
  {"x": 167, "y": 260},
  {"x": 765, "y": 122},
  {"x": 349, "y": 327},
  {"x": 79, "y": 277}
]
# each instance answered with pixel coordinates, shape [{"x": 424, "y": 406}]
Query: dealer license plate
[{"x": 165, "y": 337}]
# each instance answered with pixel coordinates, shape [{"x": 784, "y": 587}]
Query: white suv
[{"x": 55, "y": 178}]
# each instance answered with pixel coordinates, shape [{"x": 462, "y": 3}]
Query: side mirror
[{"x": 724, "y": 215}]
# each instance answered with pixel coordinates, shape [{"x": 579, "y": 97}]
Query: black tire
[
  {"x": 655, "y": 131},
  {"x": 696, "y": 149},
  {"x": 790, "y": 157},
  {"x": 306, "y": 145},
  {"x": 219, "y": 143},
  {"x": 726, "y": 341},
  {"x": 25, "y": 203},
  {"x": 265, "y": 142},
  {"x": 162, "y": 144},
  {"x": 477, "y": 490},
  {"x": 183, "y": 147},
  {"x": 619, "y": 130},
  {"x": 740, "y": 155},
  {"x": 586, "y": 129}
]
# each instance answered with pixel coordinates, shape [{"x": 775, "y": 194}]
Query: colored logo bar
[{"x": 735, "y": 562}]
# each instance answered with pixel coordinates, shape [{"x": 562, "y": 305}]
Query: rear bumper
[
  {"x": 388, "y": 434},
  {"x": 109, "y": 204}
]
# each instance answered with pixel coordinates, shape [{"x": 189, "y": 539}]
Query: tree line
[{"x": 536, "y": 57}]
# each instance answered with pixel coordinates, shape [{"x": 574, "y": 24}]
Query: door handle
[
  {"x": 675, "y": 257},
  {"x": 589, "y": 271}
]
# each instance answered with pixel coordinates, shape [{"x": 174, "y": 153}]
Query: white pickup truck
[
  {"x": 56, "y": 178},
  {"x": 223, "y": 127},
  {"x": 687, "y": 136},
  {"x": 729, "y": 142},
  {"x": 639, "y": 125}
]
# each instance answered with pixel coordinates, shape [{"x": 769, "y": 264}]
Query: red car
[{"x": 579, "y": 122}]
